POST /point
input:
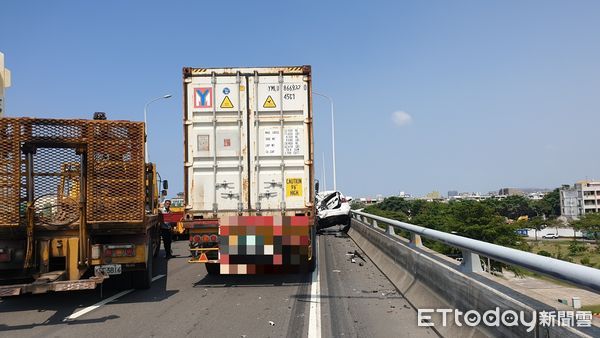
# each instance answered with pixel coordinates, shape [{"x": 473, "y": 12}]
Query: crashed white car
[{"x": 332, "y": 209}]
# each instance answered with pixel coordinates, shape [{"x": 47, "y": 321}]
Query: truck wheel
[
  {"x": 143, "y": 279},
  {"x": 213, "y": 268}
]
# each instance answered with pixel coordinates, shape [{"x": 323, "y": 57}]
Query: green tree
[
  {"x": 549, "y": 205},
  {"x": 537, "y": 223},
  {"x": 515, "y": 206},
  {"x": 355, "y": 205},
  {"x": 588, "y": 223}
]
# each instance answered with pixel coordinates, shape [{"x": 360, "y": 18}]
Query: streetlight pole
[
  {"x": 146, "y": 123},
  {"x": 323, "y": 174},
  {"x": 332, "y": 136}
]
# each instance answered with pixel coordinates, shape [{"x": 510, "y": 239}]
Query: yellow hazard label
[
  {"x": 226, "y": 103},
  {"x": 293, "y": 187},
  {"x": 269, "y": 103},
  {"x": 242, "y": 88}
]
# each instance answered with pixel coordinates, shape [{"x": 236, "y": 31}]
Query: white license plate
[{"x": 110, "y": 269}]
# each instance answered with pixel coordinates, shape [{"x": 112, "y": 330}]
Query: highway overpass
[{"x": 369, "y": 283}]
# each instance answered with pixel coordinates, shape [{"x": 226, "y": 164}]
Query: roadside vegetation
[{"x": 496, "y": 221}]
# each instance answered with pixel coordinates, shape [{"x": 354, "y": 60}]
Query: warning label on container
[
  {"x": 272, "y": 141},
  {"x": 203, "y": 143},
  {"x": 269, "y": 103},
  {"x": 226, "y": 103},
  {"x": 291, "y": 141},
  {"x": 293, "y": 187}
]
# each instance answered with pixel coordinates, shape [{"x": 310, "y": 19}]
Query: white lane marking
[
  {"x": 104, "y": 302},
  {"x": 155, "y": 278},
  {"x": 314, "y": 318}
]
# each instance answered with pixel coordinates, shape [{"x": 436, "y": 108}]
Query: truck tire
[
  {"x": 213, "y": 268},
  {"x": 142, "y": 279}
]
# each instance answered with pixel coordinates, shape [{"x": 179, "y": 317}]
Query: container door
[
  {"x": 279, "y": 142},
  {"x": 216, "y": 153}
]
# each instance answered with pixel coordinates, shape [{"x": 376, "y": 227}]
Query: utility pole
[
  {"x": 332, "y": 136},
  {"x": 4, "y": 83}
]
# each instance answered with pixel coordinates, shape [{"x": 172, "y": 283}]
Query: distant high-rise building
[{"x": 452, "y": 193}]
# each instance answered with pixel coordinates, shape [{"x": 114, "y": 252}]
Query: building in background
[
  {"x": 4, "y": 83},
  {"x": 580, "y": 199},
  {"x": 452, "y": 193},
  {"x": 589, "y": 192},
  {"x": 569, "y": 202},
  {"x": 510, "y": 192},
  {"x": 404, "y": 195},
  {"x": 433, "y": 196}
]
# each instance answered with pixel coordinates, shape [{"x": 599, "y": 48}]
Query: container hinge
[
  {"x": 238, "y": 79},
  {"x": 187, "y": 80},
  {"x": 213, "y": 79},
  {"x": 281, "y": 78}
]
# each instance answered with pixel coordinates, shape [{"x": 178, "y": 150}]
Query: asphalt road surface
[{"x": 345, "y": 299}]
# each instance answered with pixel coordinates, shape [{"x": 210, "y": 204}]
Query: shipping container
[{"x": 248, "y": 157}]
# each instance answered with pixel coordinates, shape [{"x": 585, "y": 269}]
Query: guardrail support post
[
  {"x": 471, "y": 262},
  {"x": 390, "y": 229},
  {"x": 415, "y": 240},
  {"x": 374, "y": 224}
]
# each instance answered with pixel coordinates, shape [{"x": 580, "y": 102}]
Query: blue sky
[{"x": 494, "y": 93}]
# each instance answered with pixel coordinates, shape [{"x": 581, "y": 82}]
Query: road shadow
[
  {"x": 268, "y": 280},
  {"x": 52, "y": 321},
  {"x": 60, "y": 305}
]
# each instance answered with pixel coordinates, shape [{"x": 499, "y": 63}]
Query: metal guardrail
[{"x": 471, "y": 249}]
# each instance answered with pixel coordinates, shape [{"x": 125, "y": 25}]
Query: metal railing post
[
  {"x": 415, "y": 240},
  {"x": 471, "y": 262},
  {"x": 390, "y": 230}
]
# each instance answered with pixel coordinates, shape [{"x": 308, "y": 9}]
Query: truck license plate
[{"x": 110, "y": 269}]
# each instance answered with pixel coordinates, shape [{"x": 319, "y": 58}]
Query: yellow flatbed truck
[{"x": 79, "y": 204}]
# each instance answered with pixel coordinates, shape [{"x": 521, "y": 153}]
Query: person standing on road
[{"x": 165, "y": 229}]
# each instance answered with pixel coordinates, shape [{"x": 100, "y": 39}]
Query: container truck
[
  {"x": 248, "y": 169},
  {"x": 78, "y": 204}
]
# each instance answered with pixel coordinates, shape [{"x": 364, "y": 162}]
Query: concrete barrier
[{"x": 430, "y": 280}]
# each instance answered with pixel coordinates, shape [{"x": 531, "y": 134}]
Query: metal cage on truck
[{"x": 69, "y": 189}]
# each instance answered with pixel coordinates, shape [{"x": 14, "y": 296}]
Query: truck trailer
[
  {"x": 79, "y": 204},
  {"x": 248, "y": 169}
]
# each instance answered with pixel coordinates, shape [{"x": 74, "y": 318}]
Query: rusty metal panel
[
  {"x": 110, "y": 154},
  {"x": 116, "y": 172},
  {"x": 10, "y": 178}
]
